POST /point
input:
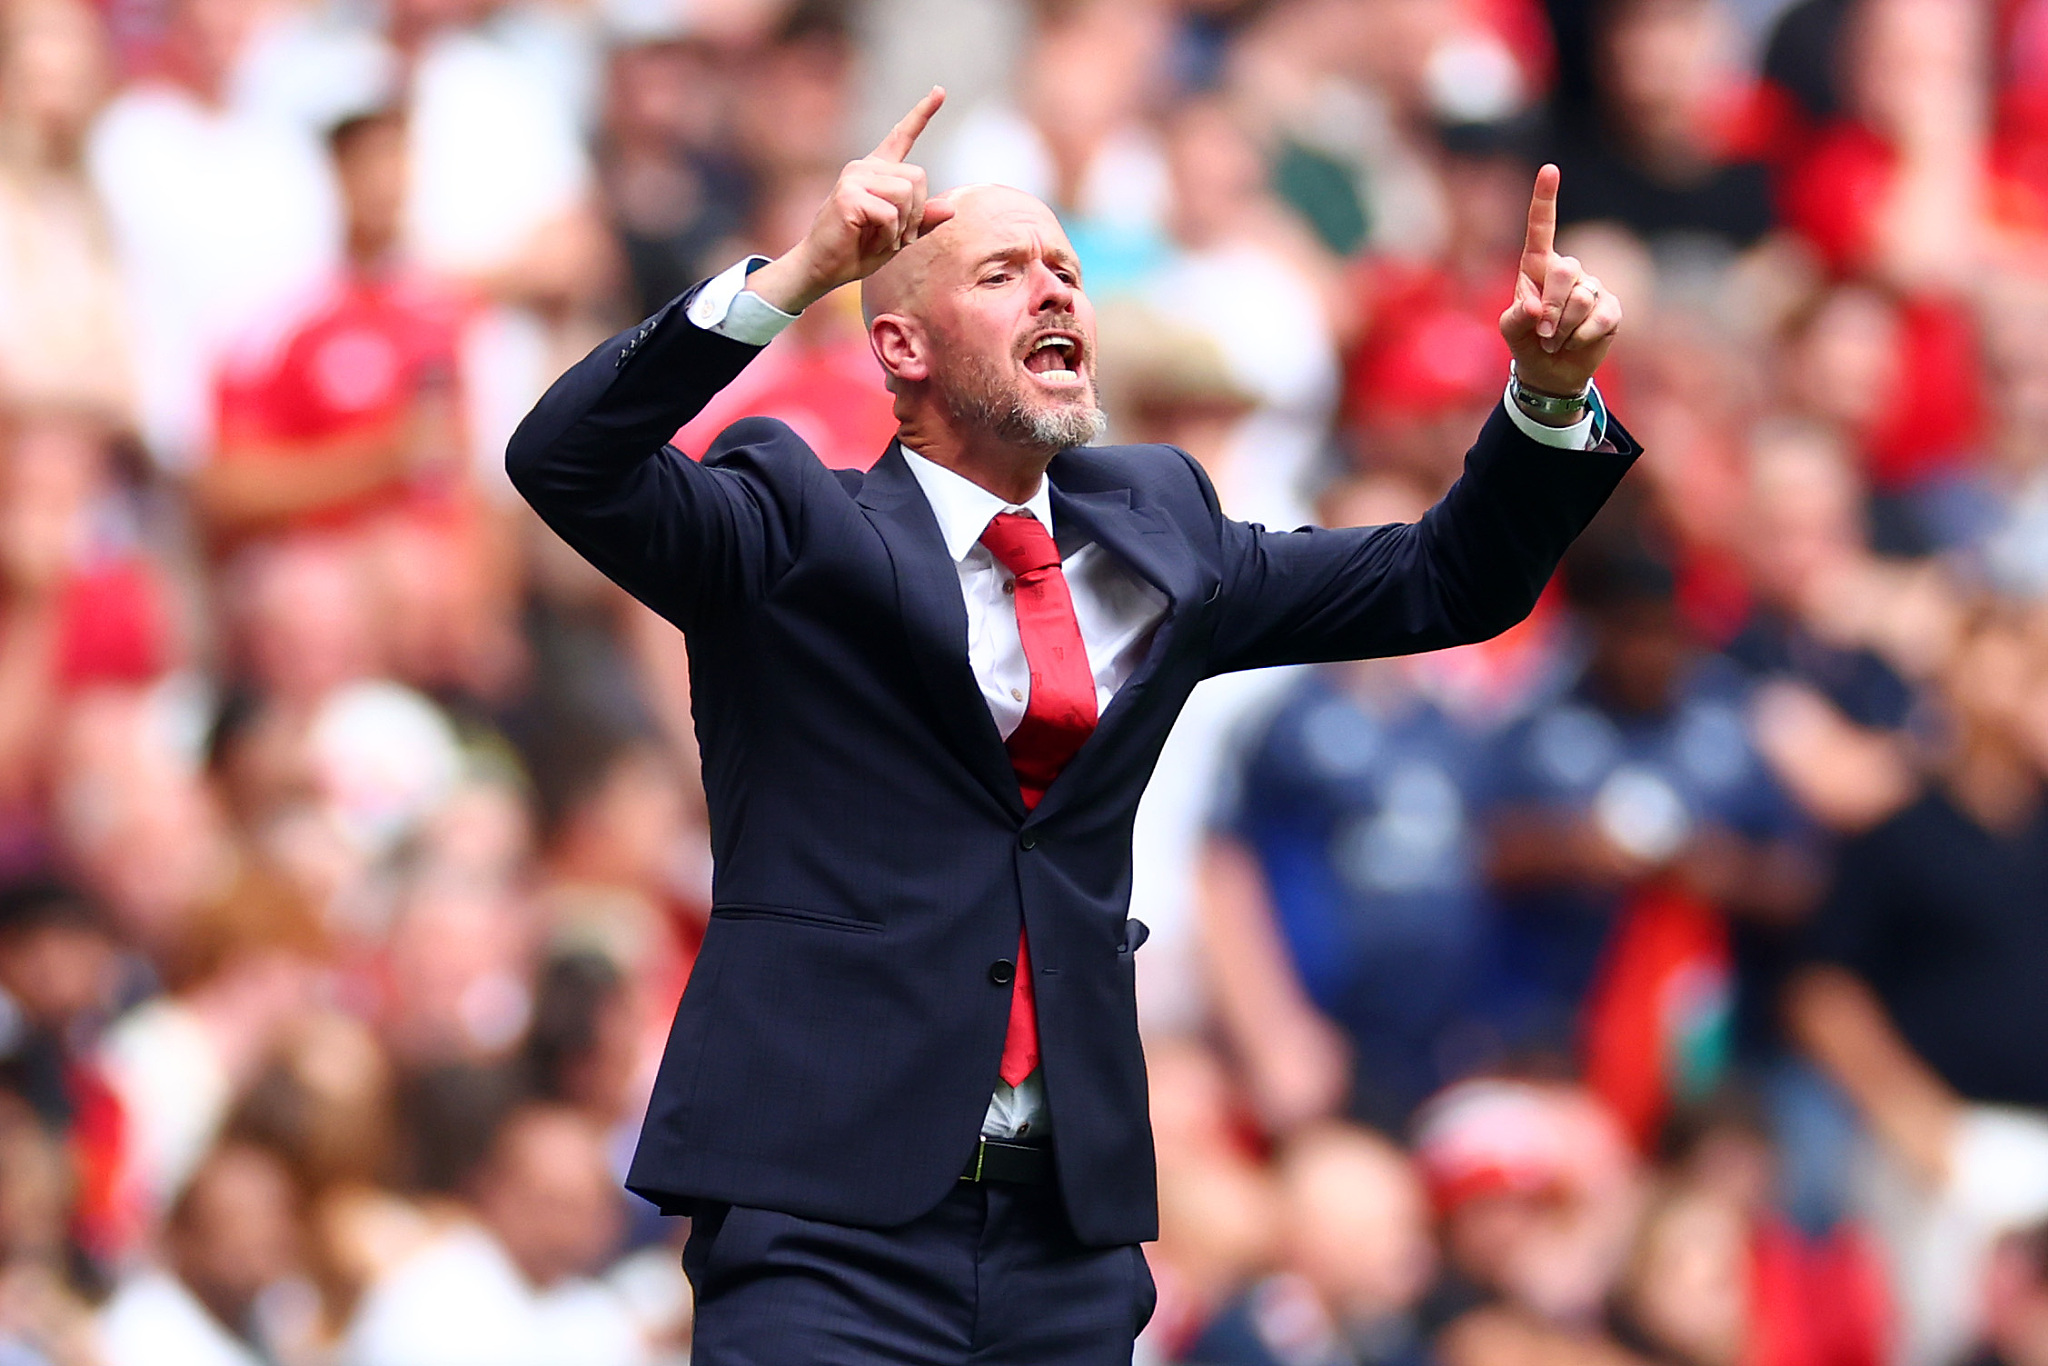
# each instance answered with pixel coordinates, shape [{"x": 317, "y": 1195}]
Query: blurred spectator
[
  {"x": 1922, "y": 1000},
  {"x": 2016, "y": 1309},
  {"x": 1355, "y": 1237},
  {"x": 1349, "y": 95},
  {"x": 582, "y": 1048},
  {"x": 1074, "y": 131},
  {"x": 616, "y": 828},
  {"x": 2010, "y": 548},
  {"x": 455, "y": 960},
  {"x": 1631, "y": 814},
  {"x": 1218, "y": 1210},
  {"x": 1717, "y": 1275},
  {"x": 325, "y": 1104},
  {"x": 499, "y": 184},
  {"x": 1344, "y": 889},
  {"x": 1232, "y": 239},
  {"x": 1429, "y": 355},
  {"x": 80, "y": 607},
  {"x": 500, "y": 196},
  {"x": 59, "y": 983},
  {"x": 1666, "y": 156},
  {"x": 499, "y": 192},
  {"x": 227, "y": 1293},
  {"x": 45, "y": 1318},
  {"x": 1802, "y": 58},
  {"x": 1825, "y": 617},
  {"x": 64, "y": 335},
  {"x": 511, "y": 1287},
  {"x": 790, "y": 105},
  {"x": 1538, "y": 1192},
  {"x": 673, "y": 188},
  {"x": 348, "y": 421},
  {"x": 350, "y": 410},
  {"x": 1173, "y": 384},
  {"x": 177, "y": 1063},
  {"x": 1898, "y": 185},
  {"x": 220, "y": 215},
  {"x": 1898, "y": 378},
  {"x": 1809, "y": 556}
]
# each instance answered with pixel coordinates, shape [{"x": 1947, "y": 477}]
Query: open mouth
[{"x": 1055, "y": 358}]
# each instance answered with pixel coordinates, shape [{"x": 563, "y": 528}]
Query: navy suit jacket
[{"x": 834, "y": 1052}]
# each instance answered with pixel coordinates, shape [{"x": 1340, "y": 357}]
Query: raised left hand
[{"x": 1561, "y": 322}]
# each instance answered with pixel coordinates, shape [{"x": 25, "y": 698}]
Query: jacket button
[
  {"x": 1002, "y": 971},
  {"x": 1028, "y": 840}
]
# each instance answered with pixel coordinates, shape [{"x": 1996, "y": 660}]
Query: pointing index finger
[
  {"x": 1542, "y": 214},
  {"x": 896, "y": 146}
]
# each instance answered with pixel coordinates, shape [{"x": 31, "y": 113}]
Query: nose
[{"x": 1049, "y": 293}]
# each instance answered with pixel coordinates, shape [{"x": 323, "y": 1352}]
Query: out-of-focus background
[{"x": 1663, "y": 982}]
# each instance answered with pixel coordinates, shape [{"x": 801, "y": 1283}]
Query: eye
[
  {"x": 995, "y": 277},
  {"x": 1066, "y": 277}
]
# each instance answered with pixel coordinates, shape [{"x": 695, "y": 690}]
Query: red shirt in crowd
[{"x": 360, "y": 356}]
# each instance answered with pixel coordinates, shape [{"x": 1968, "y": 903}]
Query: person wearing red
[
  {"x": 347, "y": 413},
  {"x": 904, "y": 1101}
]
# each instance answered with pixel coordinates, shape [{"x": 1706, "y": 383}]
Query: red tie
[{"x": 1059, "y": 716}]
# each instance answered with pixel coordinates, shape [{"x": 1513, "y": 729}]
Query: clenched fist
[
  {"x": 1561, "y": 322},
  {"x": 877, "y": 208}
]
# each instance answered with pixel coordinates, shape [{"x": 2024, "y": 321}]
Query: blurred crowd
[{"x": 1664, "y": 983}]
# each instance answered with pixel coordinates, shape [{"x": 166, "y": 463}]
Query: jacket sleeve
[
  {"x": 1472, "y": 567},
  {"x": 684, "y": 537}
]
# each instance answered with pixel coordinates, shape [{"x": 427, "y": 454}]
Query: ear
[{"x": 899, "y": 344}]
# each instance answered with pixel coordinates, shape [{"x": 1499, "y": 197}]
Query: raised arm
[
  {"x": 592, "y": 457},
  {"x": 1472, "y": 567},
  {"x": 1475, "y": 564}
]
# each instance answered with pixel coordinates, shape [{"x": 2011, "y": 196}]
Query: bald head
[{"x": 984, "y": 215}]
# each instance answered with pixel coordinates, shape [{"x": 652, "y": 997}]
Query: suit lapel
[
  {"x": 1132, "y": 534},
  {"x": 935, "y": 620},
  {"x": 1142, "y": 541},
  {"x": 1091, "y": 503}
]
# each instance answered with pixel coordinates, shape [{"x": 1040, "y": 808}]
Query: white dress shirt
[
  {"x": 1116, "y": 609},
  {"x": 1117, "y": 612}
]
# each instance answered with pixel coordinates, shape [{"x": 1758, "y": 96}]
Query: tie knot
[{"x": 1020, "y": 543}]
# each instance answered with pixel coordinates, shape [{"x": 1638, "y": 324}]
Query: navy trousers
[{"x": 993, "y": 1276}]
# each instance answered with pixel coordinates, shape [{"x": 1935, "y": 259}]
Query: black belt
[{"x": 1019, "y": 1164}]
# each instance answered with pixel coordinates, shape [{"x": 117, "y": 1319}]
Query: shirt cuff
[
  {"x": 726, "y": 306},
  {"x": 1583, "y": 435}
]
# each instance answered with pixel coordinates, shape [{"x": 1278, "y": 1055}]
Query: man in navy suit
[{"x": 903, "y": 1099}]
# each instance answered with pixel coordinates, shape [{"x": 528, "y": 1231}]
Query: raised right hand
[
  {"x": 1562, "y": 320},
  {"x": 877, "y": 208}
]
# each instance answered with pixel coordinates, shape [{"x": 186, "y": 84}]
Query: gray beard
[{"x": 979, "y": 397}]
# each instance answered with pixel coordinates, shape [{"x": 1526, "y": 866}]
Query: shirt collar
[{"x": 964, "y": 508}]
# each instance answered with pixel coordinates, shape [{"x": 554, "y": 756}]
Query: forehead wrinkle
[{"x": 902, "y": 285}]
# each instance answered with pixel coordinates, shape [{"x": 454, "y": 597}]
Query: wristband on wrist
[{"x": 1553, "y": 407}]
